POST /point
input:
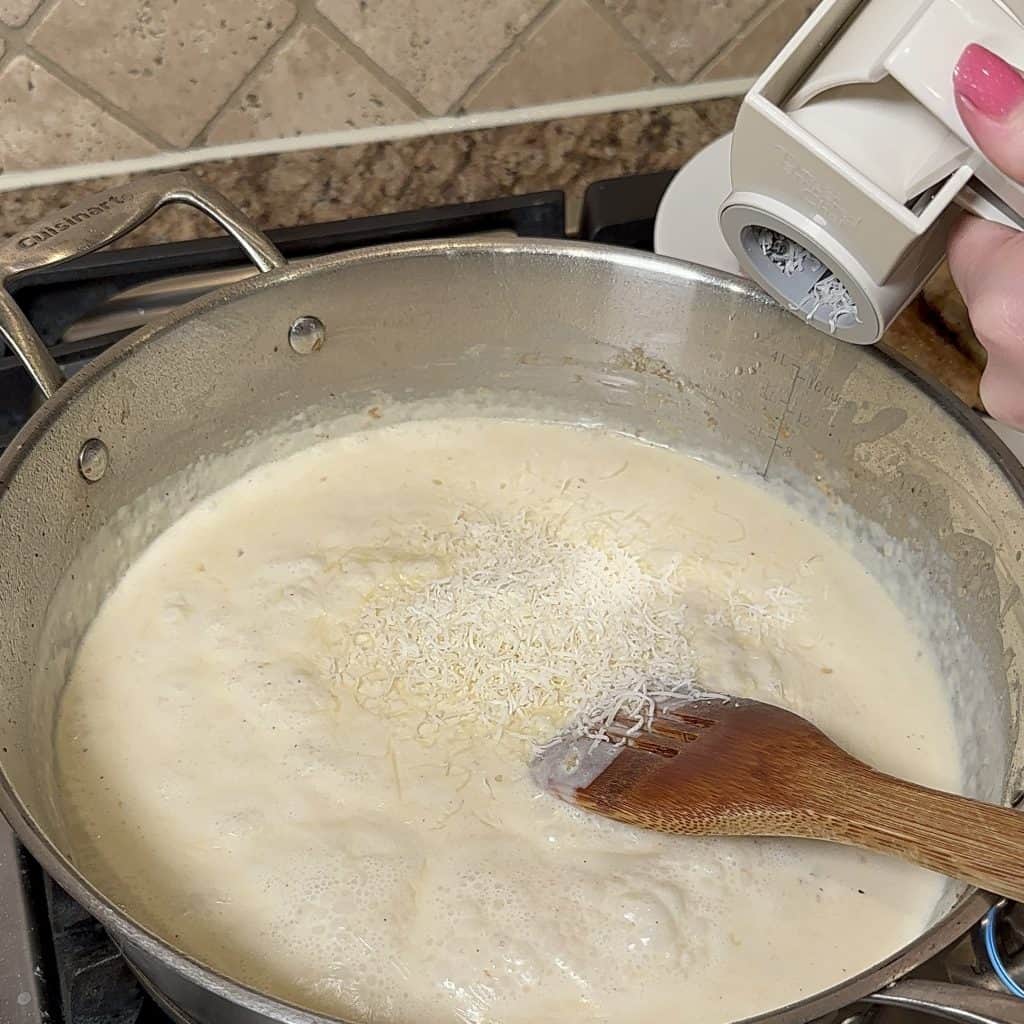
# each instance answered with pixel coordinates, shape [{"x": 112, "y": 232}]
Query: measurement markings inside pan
[
  {"x": 781, "y": 423},
  {"x": 790, "y": 418}
]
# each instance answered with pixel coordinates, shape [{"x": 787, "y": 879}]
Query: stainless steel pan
[{"x": 679, "y": 353}]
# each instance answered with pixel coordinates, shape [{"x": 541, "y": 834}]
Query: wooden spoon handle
[{"x": 975, "y": 842}]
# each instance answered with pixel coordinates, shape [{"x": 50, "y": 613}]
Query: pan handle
[
  {"x": 961, "y": 1003},
  {"x": 89, "y": 225}
]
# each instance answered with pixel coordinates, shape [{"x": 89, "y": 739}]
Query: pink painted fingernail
[{"x": 988, "y": 83}]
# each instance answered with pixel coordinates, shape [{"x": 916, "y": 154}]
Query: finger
[
  {"x": 977, "y": 250},
  {"x": 987, "y": 264},
  {"x": 990, "y": 98}
]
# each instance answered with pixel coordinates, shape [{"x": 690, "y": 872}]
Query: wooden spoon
[{"x": 733, "y": 767}]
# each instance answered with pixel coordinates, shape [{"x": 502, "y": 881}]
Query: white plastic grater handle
[
  {"x": 917, "y": 45},
  {"x": 922, "y": 59},
  {"x": 850, "y": 146}
]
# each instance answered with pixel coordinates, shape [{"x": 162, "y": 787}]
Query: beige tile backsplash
[
  {"x": 16, "y": 12},
  {"x": 281, "y": 98},
  {"x": 92, "y": 80},
  {"x": 170, "y": 66},
  {"x": 578, "y": 50},
  {"x": 53, "y": 118}
]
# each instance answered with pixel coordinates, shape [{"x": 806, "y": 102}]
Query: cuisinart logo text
[{"x": 50, "y": 230}]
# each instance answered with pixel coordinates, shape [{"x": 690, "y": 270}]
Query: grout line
[
  {"x": 743, "y": 32},
  {"x": 603, "y": 11},
  {"x": 97, "y": 98},
  {"x": 19, "y": 44},
  {"x": 515, "y": 46},
  {"x": 23, "y": 31},
  {"x": 315, "y": 18},
  {"x": 290, "y": 29},
  {"x": 112, "y": 109},
  {"x": 661, "y": 96},
  {"x": 38, "y": 15},
  {"x": 14, "y": 36}
]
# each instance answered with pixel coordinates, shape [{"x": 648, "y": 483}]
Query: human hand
[{"x": 986, "y": 259}]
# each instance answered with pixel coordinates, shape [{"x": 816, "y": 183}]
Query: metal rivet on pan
[
  {"x": 306, "y": 335},
  {"x": 93, "y": 459}
]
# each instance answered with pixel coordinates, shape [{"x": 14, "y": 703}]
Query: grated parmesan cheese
[
  {"x": 784, "y": 253},
  {"x": 528, "y": 632},
  {"x": 524, "y": 631},
  {"x": 832, "y": 294},
  {"x": 827, "y": 292},
  {"x": 760, "y": 619}
]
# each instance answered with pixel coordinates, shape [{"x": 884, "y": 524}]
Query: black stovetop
[{"x": 72, "y": 973}]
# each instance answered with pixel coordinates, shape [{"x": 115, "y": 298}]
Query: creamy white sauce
[{"x": 227, "y": 782}]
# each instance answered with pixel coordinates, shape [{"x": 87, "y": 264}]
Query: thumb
[{"x": 990, "y": 98}]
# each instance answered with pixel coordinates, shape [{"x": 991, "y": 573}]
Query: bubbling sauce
[{"x": 296, "y": 738}]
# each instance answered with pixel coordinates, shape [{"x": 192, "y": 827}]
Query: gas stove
[{"x": 57, "y": 965}]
